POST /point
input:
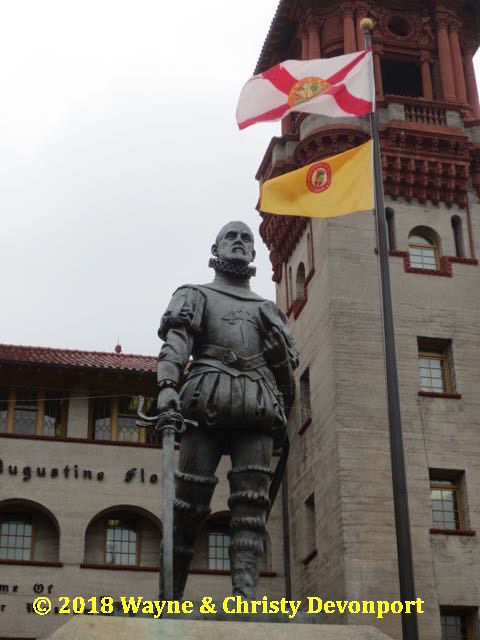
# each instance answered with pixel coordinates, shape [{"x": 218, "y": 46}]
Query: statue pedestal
[{"x": 126, "y": 628}]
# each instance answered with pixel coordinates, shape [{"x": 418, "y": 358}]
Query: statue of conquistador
[{"x": 239, "y": 388}]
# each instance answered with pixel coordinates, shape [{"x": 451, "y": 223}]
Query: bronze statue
[{"x": 239, "y": 388}]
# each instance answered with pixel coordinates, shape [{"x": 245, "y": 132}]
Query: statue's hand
[
  {"x": 275, "y": 348},
  {"x": 168, "y": 399}
]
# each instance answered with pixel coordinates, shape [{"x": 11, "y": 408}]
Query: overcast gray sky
[{"x": 120, "y": 159}]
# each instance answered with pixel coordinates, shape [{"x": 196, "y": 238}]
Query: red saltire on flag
[{"x": 336, "y": 87}]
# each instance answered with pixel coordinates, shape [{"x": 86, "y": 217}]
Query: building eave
[{"x": 277, "y": 36}]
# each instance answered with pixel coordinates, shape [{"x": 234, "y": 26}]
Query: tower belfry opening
[{"x": 402, "y": 78}]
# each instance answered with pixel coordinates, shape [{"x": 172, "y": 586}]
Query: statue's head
[{"x": 234, "y": 243}]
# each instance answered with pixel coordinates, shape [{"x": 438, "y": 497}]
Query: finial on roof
[{"x": 118, "y": 348}]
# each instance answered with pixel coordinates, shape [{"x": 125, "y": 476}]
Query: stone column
[
  {"x": 349, "y": 37},
  {"x": 314, "y": 49},
  {"x": 377, "y": 71},
  {"x": 303, "y": 35},
  {"x": 472, "y": 90},
  {"x": 459, "y": 74},
  {"x": 425, "y": 60},
  {"x": 361, "y": 11},
  {"x": 445, "y": 58}
]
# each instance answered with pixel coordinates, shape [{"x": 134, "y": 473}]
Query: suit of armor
[{"x": 239, "y": 388}]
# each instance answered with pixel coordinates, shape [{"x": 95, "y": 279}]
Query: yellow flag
[{"x": 335, "y": 186}]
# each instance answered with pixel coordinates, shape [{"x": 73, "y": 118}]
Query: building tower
[{"x": 339, "y": 479}]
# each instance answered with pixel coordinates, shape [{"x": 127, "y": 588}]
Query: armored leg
[
  {"x": 193, "y": 494},
  {"x": 194, "y": 486},
  {"x": 249, "y": 504}
]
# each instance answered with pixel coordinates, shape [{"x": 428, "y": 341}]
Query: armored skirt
[{"x": 228, "y": 400}]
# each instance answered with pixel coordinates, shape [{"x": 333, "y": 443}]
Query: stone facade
[
  {"x": 343, "y": 455},
  {"x": 70, "y": 485}
]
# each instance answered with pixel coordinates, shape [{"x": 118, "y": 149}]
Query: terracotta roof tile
[{"x": 75, "y": 358}]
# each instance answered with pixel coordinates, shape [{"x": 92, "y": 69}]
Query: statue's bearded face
[{"x": 235, "y": 244}]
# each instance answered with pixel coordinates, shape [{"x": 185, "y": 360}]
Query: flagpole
[{"x": 399, "y": 481}]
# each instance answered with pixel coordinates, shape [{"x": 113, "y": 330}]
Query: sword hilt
[{"x": 169, "y": 419}]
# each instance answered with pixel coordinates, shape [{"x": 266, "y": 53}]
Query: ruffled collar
[{"x": 232, "y": 268}]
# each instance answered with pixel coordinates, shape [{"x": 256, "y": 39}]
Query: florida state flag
[{"x": 336, "y": 87}]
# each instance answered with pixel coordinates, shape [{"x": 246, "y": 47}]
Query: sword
[{"x": 168, "y": 423}]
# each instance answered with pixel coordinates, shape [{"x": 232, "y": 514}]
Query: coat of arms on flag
[{"x": 319, "y": 177}]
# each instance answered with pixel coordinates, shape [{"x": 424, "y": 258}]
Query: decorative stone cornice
[
  {"x": 361, "y": 9},
  {"x": 302, "y": 30},
  {"x": 469, "y": 45},
  {"x": 266, "y": 169},
  {"x": 425, "y": 56},
  {"x": 425, "y": 166},
  {"x": 314, "y": 24},
  {"x": 455, "y": 25},
  {"x": 281, "y": 235},
  {"x": 328, "y": 142},
  {"x": 442, "y": 19},
  {"x": 346, "y": 9}
]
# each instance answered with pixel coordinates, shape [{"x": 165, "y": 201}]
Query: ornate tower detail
[{"x": 425, "y": 88}]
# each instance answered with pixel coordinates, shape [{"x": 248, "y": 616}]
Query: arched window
[
  {"x": 218, "y": 550},
  {"x": 212, "y": 546},
  {"x": 16, "y": 536},
  {"x": 123, "y": 537},
  {"x": 458, "y": 236},
  {"x": 121, "y": 541},
  {"x": 390, "y": 217},
  {"x": 300, "y": 282},
  {"x": 424, "y": 250},
  {"x": 27, "y": 532}
]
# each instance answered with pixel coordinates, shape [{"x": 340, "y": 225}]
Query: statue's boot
[
  {"x": 249, "y": 504},
  {"x": 191, "y": 506}
]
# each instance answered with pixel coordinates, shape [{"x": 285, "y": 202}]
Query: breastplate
[{"x": 231, "y": 323}]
